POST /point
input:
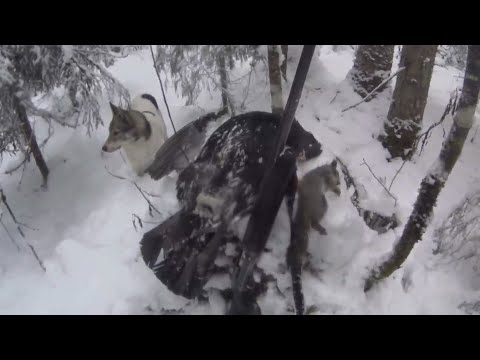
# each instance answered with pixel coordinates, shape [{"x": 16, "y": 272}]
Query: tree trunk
[
  {"x": 372, "y": 65},
  {"x": 31, "y": 140},
  {"x": 223, "y": 79},
  {"x": 435, "y": 180},
  {"x": 283, "y": 66},
  {"x": 405, "y": 116},
  {"x": 275, "y": 79}
]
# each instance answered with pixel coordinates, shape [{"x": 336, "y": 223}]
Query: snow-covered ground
[{"x": 85, "y": 236}]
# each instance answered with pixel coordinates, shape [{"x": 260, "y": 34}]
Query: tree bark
[
  {"x": 31, "y": 140},
  {"x": 275, "y": 79},
  {"x": 372, "y": 65},
  {"x": 433, "y": 183},
  {"x": 283, "y": 66},
  {"x": 223, "y": 79},
  {"x": 405, "y": 115}
]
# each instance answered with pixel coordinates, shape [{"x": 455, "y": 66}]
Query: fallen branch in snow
[
  {"x": 336, "y": 94},
  {"x": 383, "y": 185},
  {"x": 150, "y": 205},
  {"x": 375, "y": 221},
  {"x": 376, "y": 89}
]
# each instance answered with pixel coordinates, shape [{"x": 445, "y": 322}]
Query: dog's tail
[
  {"x": 151, "y": 99},
  {"x": 182, "y": 147}
]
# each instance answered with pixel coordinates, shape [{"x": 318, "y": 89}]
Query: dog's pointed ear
[
  {"x": 115, "y": 109},
  {"x": 334, "y": 163}
]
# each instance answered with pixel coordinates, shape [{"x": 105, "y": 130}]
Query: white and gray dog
[{"x": 140, "y": 131}]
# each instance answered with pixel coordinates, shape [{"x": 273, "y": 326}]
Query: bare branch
[
  {"x": 149, "y": 202},
  {"x": 150, "y": 205},
  {"x": 336, "y": 94},
  {"x": 8, "y": 233},
  {"x": 450, "y": 108},
  {"x": 376, "y": 178},
  {"x": 19, "y": 230},
  {"x": 398, "y": 171},
  {"x": 36, "y": 257},
  {"x": 165, "y": 98},
  {"x": 4, "y": 200},
  {"x": 375, "y": 221},
  {"x": 376, "y": 89},
  {"x": 16, "y": 167},
  {"x": 161, "y": 86},
  {"x": 142, "y": 221}
]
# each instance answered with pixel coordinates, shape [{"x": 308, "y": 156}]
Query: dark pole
[
  {"x": 294, "y": 96},
  {"x": 255, "y": 237}
]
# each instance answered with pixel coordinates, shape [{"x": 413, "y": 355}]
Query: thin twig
[
  {"x": 13, "y": 240},
  {"x": 165, "y": 98},
  {"x": 151, "y": 206},
  {"x": 376, "y": 89},
  {"x": 23, "y": 173},
  {"x": 161, "y": 86},
  {"x": 36, "y": 257},
  {"x": 16, "y": 167},
  {"x": 398, "y": 171},
  {"x": 3, "y": 198},
  {"x": 117, "y": 176},
  {"x": 336, "y": 94},
  {"x": 8, "y": 233},
  {"x": 388, "y": 191},
  {"x": 141, "y": 221},
  {"x": 450, "y": 108},
  {"x": 247, "y": 90},
  {"x": 149, "y": 203}
]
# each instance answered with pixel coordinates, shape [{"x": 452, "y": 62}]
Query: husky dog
[{"x": 140, "y": 131}]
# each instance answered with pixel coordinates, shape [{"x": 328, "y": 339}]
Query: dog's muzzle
[{"x": 105, "y": 148}]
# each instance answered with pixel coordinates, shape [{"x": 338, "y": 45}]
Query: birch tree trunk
[
  {"x": 275, "y": 79},
  {"x": 283, "y": 66}
]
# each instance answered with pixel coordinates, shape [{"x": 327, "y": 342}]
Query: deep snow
[{"x": 89, "y": 245}]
